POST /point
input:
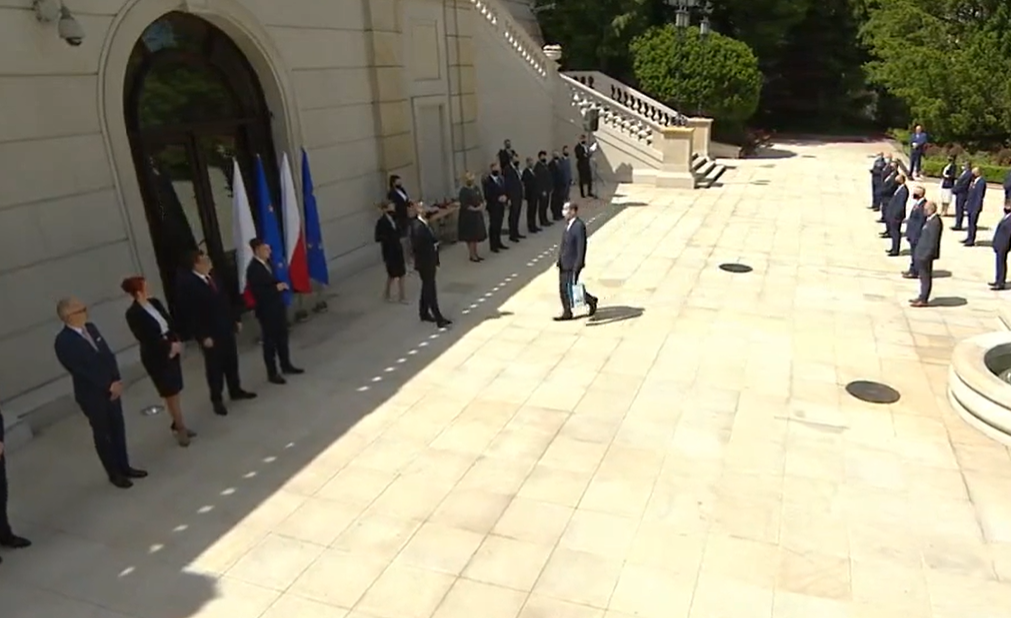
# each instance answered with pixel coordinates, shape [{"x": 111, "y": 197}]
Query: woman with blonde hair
[{"x": 471, "y": 228}]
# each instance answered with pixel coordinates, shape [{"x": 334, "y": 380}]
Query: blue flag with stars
[
  {"x": 315, "y": 254},
  {"x": 270, "y": 229}
]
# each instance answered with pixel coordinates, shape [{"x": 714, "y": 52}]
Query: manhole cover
[
  {"x": 872, "y": 392},
  {"x": 736, "y": 268}
]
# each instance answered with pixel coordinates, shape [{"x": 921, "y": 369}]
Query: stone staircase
[
  {"x": 632, "y": 126},
  {"x": 639, "y": 116}
]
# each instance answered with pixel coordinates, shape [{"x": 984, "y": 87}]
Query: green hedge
[{"x": 993, "y": 173}]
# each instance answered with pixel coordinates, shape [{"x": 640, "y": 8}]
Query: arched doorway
[{"x": 193, "y": 102}]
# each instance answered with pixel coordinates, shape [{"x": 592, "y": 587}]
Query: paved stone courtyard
[{"x": 689, "y": 452}]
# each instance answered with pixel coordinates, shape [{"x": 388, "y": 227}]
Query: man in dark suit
[
  {"x": 7, "y": 536},
  {"x": 532, "y": 194},
  {"x": 889, "y": 184},
  {"x": 583, "y": 168},
  {"x": 961, "y": 192},
  {"x": 928, "y": 249},
  {"x": 271, "y": 312},
  {"x": 207, "y": 313},
  {"x": 877, "y": 177},
  {"x": 914, "y": 226},
  {"x": 557, "y": 186},
  {"x": 571, "y": 261},
  {"x": 497, "y": 199},
  {"x": 426, "y": 262},
  {"x": 98, "y": 388},
  {"x": 895, "y": 214},
  {"x": 974, "y": 205},
  {"x": 506, "y": 154},
  {"x": 544, "y": 185},
  {"x": 1001, "y": 247},
  {"x": 565, "y": 163},
  {"x": 514, "y": 189}
]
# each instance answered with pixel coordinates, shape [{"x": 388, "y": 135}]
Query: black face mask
[
  {"x": 1007, "y": 209},
  {"x": 494, "y": 173},
  {"x": 543, "y": 159}
]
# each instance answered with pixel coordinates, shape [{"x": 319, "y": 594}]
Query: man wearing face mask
[
  {"x": 928, "y": 249},
  {"x": 914, "y": 227},
  {"x": 557, "y": 185},
  {"x": 544, "y": 185},
  {"x": 960, "y": 191},
  {"x": 566, "y": 166},
  {"x": 530, "y": 191},
  {"x": 496, "y": 198},
  {"x": 514, "y": 189},
  {"x": 974, "y": 205},
  {"x": 895, "y": 213},
  {"x": 1001, "y": 246}
]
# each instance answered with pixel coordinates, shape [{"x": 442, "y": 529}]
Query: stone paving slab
[{"x": 689, "y": 452}]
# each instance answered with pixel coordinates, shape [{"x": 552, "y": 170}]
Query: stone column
[
  {"x": 675, "y": 143},
  {"x": 554, "y": 53},
  {"x": 703, "y": 134},
  {"x": 459, "y": 16},
  {"x": 394, "y": 130}
]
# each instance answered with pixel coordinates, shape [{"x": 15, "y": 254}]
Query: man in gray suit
[
  {"x": 928, "y": 249},
  {"x": 571, "y": 261}
]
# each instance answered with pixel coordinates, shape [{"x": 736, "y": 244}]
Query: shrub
[
  {"x": 993, "y": 173},
  {"x": 1003, "y": 157},
  {"x": 715, "y": 75}
]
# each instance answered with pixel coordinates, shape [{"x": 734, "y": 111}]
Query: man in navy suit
[
  {"x": 571, "y": 261},
  {"x": 914, "y": 227},
  {"x": 7, "y": 536},
  {"x": 961, "y": 192},
  {"x": 271, "y": 312},
  {"x": 974, "y": 205},
  {"x": 425, "y": 245},
  {"x": 895, "y": 214},
  {"x": 917, "y": 145},
  {"x": 98, "y": 388},
  {"x": 532, "y": 194},
  {"x": 877, "y": 177},
  {"x": 1001, "y": 246},
  {"x": 1007, "y": 187},
  {"x": 514, "y": 187},
  {"x": 497, "y": 198}
]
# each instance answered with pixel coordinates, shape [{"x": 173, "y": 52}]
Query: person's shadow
[{"x": 614, "y": 313}]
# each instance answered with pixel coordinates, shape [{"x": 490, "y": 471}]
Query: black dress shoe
[
  {"x": 514, "y": 239},
  {"x": 998, "y": 288},
  {"x": 958, "y": 229},
  {"x": 219, "y": 408},
  {"x": 121, "y": 481},
  {"x": 136, "y": 473},
  {"x": 427, "y": 318},
  {"x": 276, "y": 379},
  {"x": 883, "y": 234},
  {"x": 15, "y": 542},
  {"x": 520, "y": 236},
  {"x": 593, "y": 308},
  {"x": 443, "y": 322},
  {"x": 563, "y": 318},
  {"x": 241, "y": 394},
  {"x": 494, "y": 250},
  {"x": 969, "y": 244},
  {"x": 292, "y": 370},
  {"x": 534, "y": 231},
  {"x": 892, "y": 253},
  {"x": 504, "y": 248}
]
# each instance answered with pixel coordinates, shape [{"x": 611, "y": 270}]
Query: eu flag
[
  {"x": 318, "y": 271},
  {"x": 270, "y": 230}
]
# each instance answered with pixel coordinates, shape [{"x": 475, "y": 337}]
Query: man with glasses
[{"x": 98, "y": 388}]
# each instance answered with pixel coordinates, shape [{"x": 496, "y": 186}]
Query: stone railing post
[
  {"x": 703, "y": 134},
  {"x": 675, "y": 144}
]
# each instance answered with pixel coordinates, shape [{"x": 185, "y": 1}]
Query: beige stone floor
[{"x": 690, "y": 453}]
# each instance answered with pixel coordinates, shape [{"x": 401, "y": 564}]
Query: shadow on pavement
[{"x": 614, "y": 313}]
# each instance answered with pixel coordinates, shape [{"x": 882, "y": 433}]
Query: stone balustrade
[
  {"x": 612, "y": 114},
  {"x": 630, "y": 98},
  {"x": 515, "y": 35}
]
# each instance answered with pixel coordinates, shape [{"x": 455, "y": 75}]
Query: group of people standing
[{"x": 407, "y": 239}]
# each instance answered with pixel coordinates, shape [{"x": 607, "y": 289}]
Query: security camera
[{"x": 68, "y": 28}]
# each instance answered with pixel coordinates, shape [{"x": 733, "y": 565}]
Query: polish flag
[
  {"x": 243, "y": 231},
  {"x": 294, "y": 240}
]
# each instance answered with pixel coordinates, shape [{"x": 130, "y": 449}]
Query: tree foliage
[
  {"x": 715, "y": 75},
  {"x": 948, "y": 60}
]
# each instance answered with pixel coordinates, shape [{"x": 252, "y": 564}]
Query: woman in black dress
[
  {"x": 389, "y": 239},
  {"x": 160, "y": 349},
  {"x": 471, "y": 228}
]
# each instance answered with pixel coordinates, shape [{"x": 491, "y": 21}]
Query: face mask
[
  {"x": 543, "y": 159},
  {"x": 494, "y": 173},
  {"x": 1007, "y": 209}
]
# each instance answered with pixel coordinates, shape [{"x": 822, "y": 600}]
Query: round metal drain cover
[
  {"x": 872, "y": 392},
  {"x": 736, "y": 268}
]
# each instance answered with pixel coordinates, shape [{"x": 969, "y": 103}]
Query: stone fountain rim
[{"x": 981, "y": 398}]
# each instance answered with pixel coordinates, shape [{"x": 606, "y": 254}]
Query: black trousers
[
  {"x": 532, "y": 203},
  {"x": 221, "y": 366},
  {"x": 5, "y": 522},
  {"x": 428, "y": 304},
  {"x": 959, "y": 209},
  {"x": 515, "y": 208},
  {"x": 894, "y": 229},
  {"x": 875, "y": 195},
  {"x": 557, "y": 201},
  {"x": 542, "y": 207},
  {"x": 925, "y": 270},
  {"x": 274, "y": 332},
  {"x": 585, "y": 181},
  {"x": 973, "y": 222},
  {"x": 1000, "y": 276},
  {"x": 108, "y": 430},
  {"x": 566, "y": 279},
  {"x": 496, "y": 215}
]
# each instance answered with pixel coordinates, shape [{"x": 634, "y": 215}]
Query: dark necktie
[{"x": 210, "y": 282}]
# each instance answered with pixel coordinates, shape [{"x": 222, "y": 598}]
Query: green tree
[
  {"x": 948, "y": 61},
  {"x": 714, "y": 75}
]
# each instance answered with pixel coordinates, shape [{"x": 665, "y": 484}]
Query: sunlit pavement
[{"x": 689, "y": 451}]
